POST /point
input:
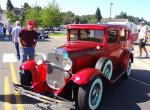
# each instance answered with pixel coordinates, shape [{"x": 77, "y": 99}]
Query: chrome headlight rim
[
  {"x": 42, "y": 57},
  {"x": 67, "y": 64}
]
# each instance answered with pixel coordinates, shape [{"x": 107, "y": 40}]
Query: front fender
[
  {"x": 38, "y": 72},
  {"x": 28, "y": 65},
  {"x": 85, "y": 75}
]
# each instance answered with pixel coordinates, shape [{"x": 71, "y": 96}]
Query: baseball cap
[{"x": 31, "y": 24}]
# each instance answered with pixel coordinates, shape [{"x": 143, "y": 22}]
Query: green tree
[
  {"x": 98, "y": 15},
  {"x": 33, "y": 14},
  {"x": 24, "y": 12},
  {"x": 51, "y": 16},
  {"x": 68, "y": 17},
  {"x": 76, "y": 20},
  {"x": 13, "y": 18},
  {"x": 122, "y": 15},
  {"x": 9, "y": 5},
  {"x": 88, "y": 19},
  {"x": 9, "y": 12},
  {"x": 26, "y": 6}
]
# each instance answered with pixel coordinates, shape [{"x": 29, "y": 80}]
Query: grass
[{"x": 56, "y": 34}]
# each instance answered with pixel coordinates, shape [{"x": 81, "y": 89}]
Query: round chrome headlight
[
  {"x": 39, "y": 58},
  {"x": 66, "y": 64}
]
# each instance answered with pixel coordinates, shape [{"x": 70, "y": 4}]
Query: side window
[
  {"x": 122, "y": 35},
  {"x": 112, "y": 36}
]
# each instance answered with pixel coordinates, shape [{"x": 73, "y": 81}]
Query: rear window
[{"x": 86, "y": 35}]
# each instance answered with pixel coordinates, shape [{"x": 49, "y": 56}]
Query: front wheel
[{"x": 89, "y": 96}]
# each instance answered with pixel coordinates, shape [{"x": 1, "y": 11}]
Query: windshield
[{"x": 86, "y": 35}]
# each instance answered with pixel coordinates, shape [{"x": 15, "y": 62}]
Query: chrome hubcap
[{"x": 95, "y": 95}]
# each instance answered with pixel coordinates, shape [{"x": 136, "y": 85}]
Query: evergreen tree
[
  {"x": 9, "y": 5},
  {"x": 98, "y": 15},
  {"x": 26, "y": 6},
  {"x": 9, "y": 12}
]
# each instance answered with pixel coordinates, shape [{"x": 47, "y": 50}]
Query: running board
[
  {"x": 45, "y": 99},
  {"x": 114, "y": 80}
]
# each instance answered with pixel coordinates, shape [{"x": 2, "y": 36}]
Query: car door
[
  {"x": 113, "y": 48},
  {"x": 124, "y": 45}
]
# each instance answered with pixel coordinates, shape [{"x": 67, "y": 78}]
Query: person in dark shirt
[{"x": 27, "y": 40}]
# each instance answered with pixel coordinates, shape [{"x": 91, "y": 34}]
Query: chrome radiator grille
[
  {"x": 55, "y": 58},
  {"x": 55, "y": 76}
]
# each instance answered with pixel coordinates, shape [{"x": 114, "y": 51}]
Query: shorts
[{"x": 142, "y": 43}]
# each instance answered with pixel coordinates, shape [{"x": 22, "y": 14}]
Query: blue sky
[{"x": 137, "y": 8}]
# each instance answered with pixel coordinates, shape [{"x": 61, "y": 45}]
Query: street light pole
[
  {"x": 53, "y": 3},
  {"x": 110, "y": 8}
]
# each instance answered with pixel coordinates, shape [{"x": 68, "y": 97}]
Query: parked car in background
[
  {"x": 49, "y": 29},
  {"x": 42, "y": 34},
  {"x": 58, "y": 28},
  {"x": 76, "y": 71},
  {"x": 1, "y": 31}
]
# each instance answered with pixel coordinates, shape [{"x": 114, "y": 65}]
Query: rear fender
[
  {"x": 127, "y": 55},
  {"x": 85, "y": 75}
]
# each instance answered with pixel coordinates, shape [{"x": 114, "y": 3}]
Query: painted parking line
[
  {"x": 9, "y": 57},
  {"x": 7, "y": 105},
  {"x": 139, "y": 81},
  {"x": 17, "y": 95}
]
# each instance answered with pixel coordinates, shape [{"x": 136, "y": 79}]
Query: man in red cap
[{"x": 27, "y": 40}]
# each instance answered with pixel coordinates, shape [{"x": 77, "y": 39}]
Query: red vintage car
[{"x": 76, "y": 72}]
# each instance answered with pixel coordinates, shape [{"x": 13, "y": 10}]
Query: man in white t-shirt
[
  {"x": 15, "y": 34},
  {"x": 143, "y": 39}
]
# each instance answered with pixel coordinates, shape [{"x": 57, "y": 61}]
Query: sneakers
[
  {"x": 140, "y": 56},
  {"x": 147, "y": 56}
]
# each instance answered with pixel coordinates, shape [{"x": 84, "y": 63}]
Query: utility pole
[
  {"x": 53, "y": 3},
  {"x": 110, "y": 8}
]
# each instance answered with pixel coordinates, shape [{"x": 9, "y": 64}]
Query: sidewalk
[{"x": 142, "y": 61}]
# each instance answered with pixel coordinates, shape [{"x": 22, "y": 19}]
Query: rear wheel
[
  {"x": 105, "y": 66},
  {"x": 89, "y": 96},
  {"x": 128, "y": 70}
]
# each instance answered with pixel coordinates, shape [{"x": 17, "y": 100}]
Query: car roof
[{"x": 94, "y": 26}]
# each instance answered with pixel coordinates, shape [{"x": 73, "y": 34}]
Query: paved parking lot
[{"x": 131, "y": 94}]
